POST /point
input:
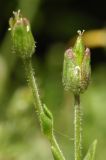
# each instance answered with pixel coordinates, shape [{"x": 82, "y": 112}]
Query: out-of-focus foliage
[{"x": 54, "y": 23}]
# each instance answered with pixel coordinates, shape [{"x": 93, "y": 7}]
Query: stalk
[
  {"x": 32, "y": 84},
  {"x": 77, "y": 129},
  {"x": 44, "y": 115}
]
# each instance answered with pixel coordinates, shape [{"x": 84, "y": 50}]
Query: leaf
[
  {"x": 56, "y": 156},
  {"x": 46, "y": 120},
  {"x": 91, "y": 152}
]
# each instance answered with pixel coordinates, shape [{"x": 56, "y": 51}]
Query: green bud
[
  {"x": 76, "y": 67},
  {"x": 22, "y": 38},
  {"x": 46, "y": 122}
]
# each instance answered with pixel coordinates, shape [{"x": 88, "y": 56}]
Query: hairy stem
[
  {"x": 57, "y": 154},
  {"x": 77, "y": 125},
  {"x": 32, "y": 84}
]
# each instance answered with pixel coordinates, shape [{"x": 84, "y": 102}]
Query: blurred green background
[{"x": 54, "y": 23}]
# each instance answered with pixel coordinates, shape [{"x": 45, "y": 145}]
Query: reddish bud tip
[{"x": 69, "y": 53}]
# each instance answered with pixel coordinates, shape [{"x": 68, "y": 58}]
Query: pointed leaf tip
[{"x": 91, "y": 152}]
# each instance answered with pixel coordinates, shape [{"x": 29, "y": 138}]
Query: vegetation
[{"x": 20, "y": 135}]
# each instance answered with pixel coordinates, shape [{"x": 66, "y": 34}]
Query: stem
[
  {"x": 77, "y": 125},
  {"x": 38, "y": 105},
  {"x": 32, "y": 84}
]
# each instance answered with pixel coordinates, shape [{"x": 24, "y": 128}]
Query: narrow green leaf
[
  {"x": 91, "y": 152},
  {"x": 56, "y": 154},
  {"x": 46, "y": 119}
]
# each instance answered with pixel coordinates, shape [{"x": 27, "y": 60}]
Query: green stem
[
  {"x": 39, "y": 107},
  {"x": 77, "y": 124},
  {"x": 32, "y": 84}
]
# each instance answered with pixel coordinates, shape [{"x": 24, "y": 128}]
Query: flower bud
[
  {"x": 76, "y": 67},
  {"x": 22, "y": 38}
]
